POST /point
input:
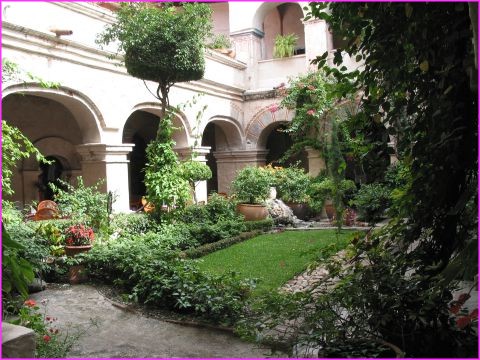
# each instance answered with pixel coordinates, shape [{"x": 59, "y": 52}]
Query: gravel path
[{"x": 122, "y": 334}]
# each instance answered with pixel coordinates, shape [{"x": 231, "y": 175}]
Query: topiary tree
[
  {"x": 162, "y": 42},
  {"x": 193, "y": 172}
]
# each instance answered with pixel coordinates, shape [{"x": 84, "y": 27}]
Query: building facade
[{"x": 98, "y": 120}]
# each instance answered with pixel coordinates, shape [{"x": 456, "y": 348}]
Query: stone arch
[
  {"x": 261, "y": 120},
  {"x": 182, "y": 135},
  {"x": 83, "y": 109},
  {"x": 62, "y": 149},
  {"x": 266, "y": 7},
  {"x": 280, "y": 19},
  {"x": 231, "y": 136}
]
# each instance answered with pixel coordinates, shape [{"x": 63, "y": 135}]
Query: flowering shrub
[
  {"x": 50, "y": 342},
  {"x": 78, "y": 235},
  {"x": 463, "y": 318}
]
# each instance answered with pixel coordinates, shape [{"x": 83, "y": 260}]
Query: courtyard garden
[{"x": 379, "y": 291}]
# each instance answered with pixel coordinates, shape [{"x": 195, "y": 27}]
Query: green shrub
[
  {"x": 252, "y": 185},
  {"x": 371, "y": 201},
  {"x": 264, "y": 225},
  {"x": 220, "y": 41},
  {"x": 218, "y": 207},
  {"x": 154, "y": 274},
  {"x": 211, "y": 222},
  {"x": 82, "y": 203},
  {"x": 218, "y": 245},
  {"x": 194, "y": 213},
  {"x": 211, "y": 232},
  {"x": 136, "y": 223},
  {"x": 292, "y": 184}
]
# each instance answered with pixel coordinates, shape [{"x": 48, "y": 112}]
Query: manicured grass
[{"x": 274, "y": 258}]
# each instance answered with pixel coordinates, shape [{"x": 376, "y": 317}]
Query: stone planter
[
  {"x": 273, "y": 193},
  {"x": 300, "y": 210},
  {"x": 253, "y": 212},
  {"x": 74, "y": 250}
]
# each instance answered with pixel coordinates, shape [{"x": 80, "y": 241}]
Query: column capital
[
  {"x": 200, "y": 152},
  {"x": 96, "y": 152},
  {"x": 241, "y": 156},
  {"x": 251, "y": 31}
]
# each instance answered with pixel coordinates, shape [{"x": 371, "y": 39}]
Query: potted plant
[
  {"x": 292, "y": 185},
  {"x": 78, "y": 239},
  {"x": 251, "y": 187},
  {"x": 222, "y": 44},
  {"x": 284, "y": 45},
  {"x": 323, "y": 190}
]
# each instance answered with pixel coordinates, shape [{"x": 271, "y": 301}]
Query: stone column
[
  {"x": 316, "y": 163},
  {"x": 249, "y": 49},
  {"x": 392, "y": 145},
  {"x": 317, "y": 39},
  {"x": 109, "y": 162},
  {"x": 229, "y": 162},
  {"x": 200, "y": 154}
]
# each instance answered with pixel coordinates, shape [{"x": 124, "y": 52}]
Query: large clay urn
[{"x": 253, "y": 212}]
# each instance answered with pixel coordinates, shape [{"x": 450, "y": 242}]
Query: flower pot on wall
[
  {"x": 300, "y": 210},
  {"x": 253, "y": 212}
]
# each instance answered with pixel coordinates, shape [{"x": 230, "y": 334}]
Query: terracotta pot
[
  {"x": 77, "y": 274},
  {"x": 300, "y": 210},
  {"x": 330, "y": 210},
  {"x": 253, "y": 212},
  {"x": 74, "y": 250}
]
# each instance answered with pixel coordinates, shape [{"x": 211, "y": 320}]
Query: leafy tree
[
  {"x": 426, "y": 94},
  {"x": 419, "y": 80},
  {"x": 193, "y": 172},
  {"x": 164, "y": 43},
  {"x": 15, "y": 147}
]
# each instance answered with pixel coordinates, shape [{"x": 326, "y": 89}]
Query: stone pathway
[{"x": 121, "y": 334}]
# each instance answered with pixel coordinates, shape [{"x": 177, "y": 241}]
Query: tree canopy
[{"x": 163, "y": 43}]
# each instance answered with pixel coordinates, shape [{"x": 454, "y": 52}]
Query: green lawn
[{"x": 274, "y": 258}]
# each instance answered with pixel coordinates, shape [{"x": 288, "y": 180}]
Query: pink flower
[
  {"x": 311, "y": 112},
  {"x": 273, "y": 108}
]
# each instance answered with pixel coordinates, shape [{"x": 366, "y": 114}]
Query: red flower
[
  {"x": 454, "y": 309},
  {"x": 463, "y": 321},
  {"x": 79, "y": 235},
  {"x": 30, "y": 303},
  {"x": 474, "y": 314},
  {"x": 46, "y": 338}
]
